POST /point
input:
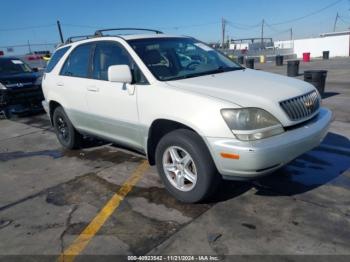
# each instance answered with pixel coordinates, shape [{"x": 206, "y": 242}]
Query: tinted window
[
  {"x": 78, "y": 62},
  {"x": 13, "y": 66},
  {"x": 55, "y": 58},
  {"x": 109, "y": 53},
  {"x": 179, "y": 58}
]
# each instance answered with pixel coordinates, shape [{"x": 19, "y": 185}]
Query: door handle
[
  {"x": 92, "y": 88},
  {"x": 59, "y": 84}
]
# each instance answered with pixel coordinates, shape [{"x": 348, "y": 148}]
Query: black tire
[
  {"x": 65, "y": 131},
  {"x": 5, "y": 113},
  {"x": 208, "y": 177}
]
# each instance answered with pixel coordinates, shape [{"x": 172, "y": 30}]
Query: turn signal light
[{"x": 230, "y": 156}]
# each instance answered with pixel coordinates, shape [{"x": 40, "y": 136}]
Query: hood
[
  {"x": 247, "y": 88},
  {"x": 28, "y": 79}
]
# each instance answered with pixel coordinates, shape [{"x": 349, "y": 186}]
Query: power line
[
  {"x": 341, "y": 18},
  {"x": 82, "y": 26},
  {"x": 169, "y": 27},
  {"x": 26, "y": 28},
  {"x": 275, "y": 30},
  {"x": 335, "y": 22},
  {"x": 309, "y": 14},
  {"x": 242, "y": 26},
  {"x": 25, "y": 45},
  {"x": 189, "y": 26}
]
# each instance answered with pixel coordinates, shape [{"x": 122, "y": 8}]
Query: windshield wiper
[{"x": 220, "y": 69}]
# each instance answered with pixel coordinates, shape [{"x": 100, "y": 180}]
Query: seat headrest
[{"x": 152, "y": 57}]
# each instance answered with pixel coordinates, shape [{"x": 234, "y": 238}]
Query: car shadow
[
  {"x": 323, "y": 165},
  {"x": 228, "y": 190},
  {"x": 329, "y": 94}
]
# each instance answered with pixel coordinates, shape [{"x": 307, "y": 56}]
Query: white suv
[{"x": 192, "y": 111}]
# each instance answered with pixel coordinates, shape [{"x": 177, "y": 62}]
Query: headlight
[
  {"x": 2, "y": 87},
  {"x": 251, "y": 123}
]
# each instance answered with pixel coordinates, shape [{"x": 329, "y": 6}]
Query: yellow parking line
[{"x": 90, "y": 231}]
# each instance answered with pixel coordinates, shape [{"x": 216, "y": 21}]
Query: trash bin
[
  {"x": 241, "y": 60},
  {"x": 262, "y": 59},
  {"x": 293, "y": 67},
  {"x": 249, "y": 62},
  {"x": 231, "y": 56},
  {"x": 306, "y": 57},
  {"x": 325, "y": 55},
  {"x": 317, "y": 78},
  {"x": 279, "y": 60}
]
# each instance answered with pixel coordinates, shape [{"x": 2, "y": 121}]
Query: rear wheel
[
  {"x": 65, "y": 132},
  {"x": 186, "y": 167}
]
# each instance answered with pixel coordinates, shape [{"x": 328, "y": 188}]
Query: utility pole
[
  {"x": 60, "y": 31},
  {"x": 223, "y": 27},
  {"x": 262, "y": 34},
  {"x": 349, "y": 42},
  {"x": 291, "y": 33},
  {"x": 335, "y": 22},
  {"x": 29, "y": 49}
]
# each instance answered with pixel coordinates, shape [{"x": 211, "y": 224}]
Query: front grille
[
  {"x": 301, "y": 107},
  {"x": 19, "y": 84},
  {"x": 25, "y": 96}
]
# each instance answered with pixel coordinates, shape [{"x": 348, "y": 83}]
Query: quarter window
[
  {"x": 56, "y": 57},
  {"x": 77, "y": 63}
]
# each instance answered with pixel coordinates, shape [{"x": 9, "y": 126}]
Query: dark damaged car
[{"x": 20, "y": 87}]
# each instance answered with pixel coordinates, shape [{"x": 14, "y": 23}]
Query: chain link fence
[{"x": 269, "y": 54}]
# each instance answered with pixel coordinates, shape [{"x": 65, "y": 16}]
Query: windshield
[
  {"x": 13, "y": 66},
  {"x": 179, "y": 58}
]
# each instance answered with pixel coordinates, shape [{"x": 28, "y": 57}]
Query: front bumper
[
  {"x": 46, "y": 106},
  {"x": 264, "y": 156},
  {"x": 22, "y": 99}
]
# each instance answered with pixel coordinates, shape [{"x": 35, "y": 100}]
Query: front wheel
[
  {"x": 65, "y": 132},
  {"x": 5, "y": 113},
  {"x": 186, "y": 167}
]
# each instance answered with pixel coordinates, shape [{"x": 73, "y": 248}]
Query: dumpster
[
  {"x": 279, "y": 60},
  {"x": 316, "y": 78},
  {"x": 249, "y": 62},
  {"x": 293, "y": 67},
  {"x": 262, "y": 59},
  {"x": 325, "y": 55},
  {"x": 231, "y": 56},
  {"x": 240, "y": 60},
  {"x": 306, "y": 57}
]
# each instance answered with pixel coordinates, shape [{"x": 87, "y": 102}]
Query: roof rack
[
  {"x": 99, "y": 32},
  {"x": 78, "y": 37}
]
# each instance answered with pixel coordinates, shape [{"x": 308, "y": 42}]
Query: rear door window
[
  {"x": 77, "y": 64},
  {"x": 55, "y": 58}
]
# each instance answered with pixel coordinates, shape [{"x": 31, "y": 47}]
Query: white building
[{"x": 338, "y": 44}]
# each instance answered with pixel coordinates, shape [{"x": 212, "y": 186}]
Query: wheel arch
[
  {"x": 52, "y": 106},
  {"x": 158, "y": 129}
]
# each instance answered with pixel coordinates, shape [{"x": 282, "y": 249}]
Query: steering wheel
[{"x": 192, "y": 65}]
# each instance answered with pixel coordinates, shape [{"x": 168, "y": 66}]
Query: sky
[{"x": 35, "y": 20}]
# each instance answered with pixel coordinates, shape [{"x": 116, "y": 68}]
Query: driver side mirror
[{"x": 119, "y": 74}]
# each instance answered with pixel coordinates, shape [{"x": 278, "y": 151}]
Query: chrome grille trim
[
  {"x": 301, "y": 107},
  {"x": 20, "y": 84}
]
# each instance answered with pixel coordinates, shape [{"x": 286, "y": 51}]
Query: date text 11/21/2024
[{"x": 174, "y": 258}]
